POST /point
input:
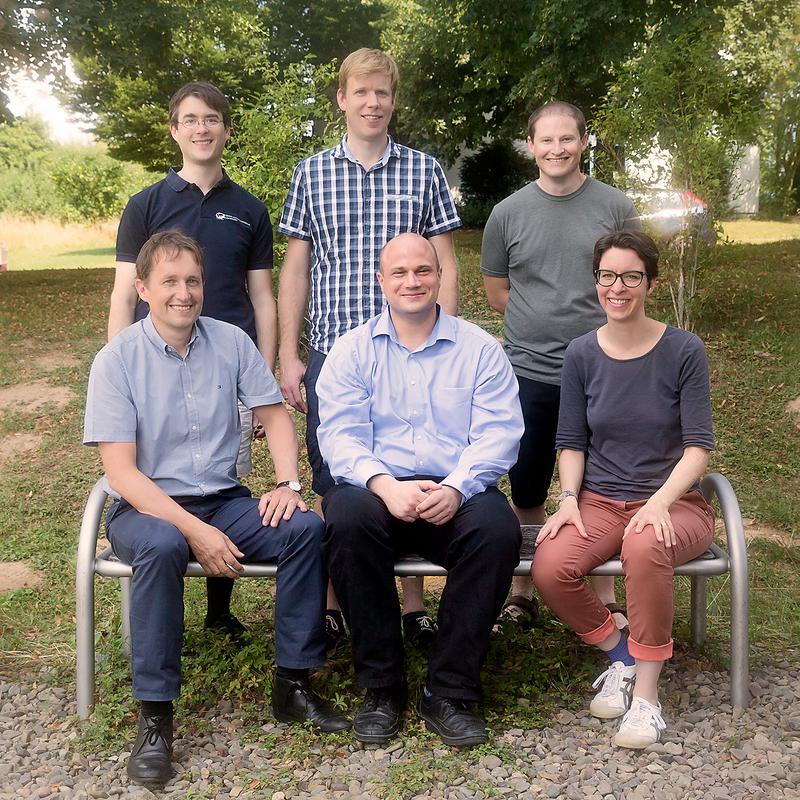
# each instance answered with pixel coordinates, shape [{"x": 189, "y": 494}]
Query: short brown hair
[
  {"x": 558, "y": 107},
  {"x": 168, "y": 244},
  {"x": 366, "y": 61},
  {"x": 206, "y": 92},
  {"x": 639, "y": 242}
]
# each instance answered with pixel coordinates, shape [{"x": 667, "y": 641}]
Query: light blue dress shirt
[
  {"x": 180, "y": 412},
  {"x": 450, "y": 408}
]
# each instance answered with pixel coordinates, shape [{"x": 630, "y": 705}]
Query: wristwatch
[
  {"x": 564, "y": 495},
  {"x": 293, "y": 485}
]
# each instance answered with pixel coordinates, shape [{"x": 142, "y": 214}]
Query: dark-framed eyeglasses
[{"x": 607, "y": 277}]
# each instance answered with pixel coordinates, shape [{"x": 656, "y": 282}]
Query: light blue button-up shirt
[
  {"x": 449, "y": 408},
  {"x": 180, "y": 412}
]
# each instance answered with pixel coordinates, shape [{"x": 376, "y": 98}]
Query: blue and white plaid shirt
[{"x": 348, "y": 214}]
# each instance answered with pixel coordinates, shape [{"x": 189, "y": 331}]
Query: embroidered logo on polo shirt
[{"x": 220, "y": 215}]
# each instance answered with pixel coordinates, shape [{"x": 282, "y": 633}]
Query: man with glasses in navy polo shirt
[
  {"x": 233, "y": 230},
  {"x": 344, "y": 204},
  {"x": 161, "y": 407}
]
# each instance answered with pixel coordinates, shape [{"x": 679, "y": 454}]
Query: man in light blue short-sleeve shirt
[{"x": 162, "y": 407}]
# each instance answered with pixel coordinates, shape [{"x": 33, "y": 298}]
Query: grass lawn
[
  {"x": 45, "y": 244},
  {"x": 53, "y": 323},
  {"x": 755, "y": 231}
]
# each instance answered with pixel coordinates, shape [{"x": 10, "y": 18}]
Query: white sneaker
[
  {"x": 641, "y": 726},
  {"x": 614, "y": 699}
]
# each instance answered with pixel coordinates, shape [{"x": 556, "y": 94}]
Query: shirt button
[
  {"x": 194, "y": 427},
  {"x": 420, "y": 461},
  {"x": 413, "y": 383},
  {"x": 197, "y": 455},
  {"x": 189, "y": 395}
]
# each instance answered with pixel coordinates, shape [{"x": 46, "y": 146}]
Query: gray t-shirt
[
  {"x": 633, "y": 418},
  {"x": 543, "y": 244}
]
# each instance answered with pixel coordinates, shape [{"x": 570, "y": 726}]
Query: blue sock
[{"x": 620, "y": 652}]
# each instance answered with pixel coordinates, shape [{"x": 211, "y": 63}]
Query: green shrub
[
  {"x": 488, "y": 176},
  {"x": 29, "y": 193},
  {"x": 89, "y": 183},
  {"x": 40, "y": 178}
]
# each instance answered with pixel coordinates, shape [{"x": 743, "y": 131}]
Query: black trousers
[{"x": 479, "y": 548}]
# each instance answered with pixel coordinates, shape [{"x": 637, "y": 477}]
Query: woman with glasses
[{"x": 634, "y": 435}]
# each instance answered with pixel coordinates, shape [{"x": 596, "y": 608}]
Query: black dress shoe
[
  {"x": 378, "y": 719},
  {"x": 452, "y": 720},
  {"x": 150, "y": 762},
  {"x": 227, "y": 625},
  {"x": 296, "y": 701}
]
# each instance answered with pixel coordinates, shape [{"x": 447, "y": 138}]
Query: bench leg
[
  {"x": 740, "y": 634},
  {"x": 699, "y": 610},
  {"x": 84, "y": 638},
  {"x": 125, "y": 615}
]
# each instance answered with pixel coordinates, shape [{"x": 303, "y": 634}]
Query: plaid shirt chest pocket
[{"x": 399, "y": 213}]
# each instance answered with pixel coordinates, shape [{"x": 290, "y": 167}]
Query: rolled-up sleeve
[
  {"x": 496, "y": 426},
  {"x": 345, "y": 432}
]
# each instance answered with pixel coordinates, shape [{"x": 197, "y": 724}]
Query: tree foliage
[
  {"x": 40, "y": 178},
  {"x": 289, "y": 120},
  {"x": 477, "y": 68},
  {"x": 487, "y": 176},
  {"x": 131, "y": 57},
  {"x": 693, "y": 91},
  {"x": 779, "y": 56}
]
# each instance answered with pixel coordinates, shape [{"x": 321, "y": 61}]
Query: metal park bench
[{"x": 714, "y": 561}]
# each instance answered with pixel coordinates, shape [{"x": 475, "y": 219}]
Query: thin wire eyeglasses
[
  {"x": 607, "y": 277},
  {"x": 190, "y": 123}
]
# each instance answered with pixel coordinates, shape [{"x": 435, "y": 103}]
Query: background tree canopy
[
  {"x": 131, "y": 56},
  {"x": 472, "y": 70}
]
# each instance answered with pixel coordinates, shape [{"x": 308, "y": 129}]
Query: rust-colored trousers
[{"x": 560, "y": 565}]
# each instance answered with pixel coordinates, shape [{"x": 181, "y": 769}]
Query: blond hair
[{"x": 366, "y": 61}]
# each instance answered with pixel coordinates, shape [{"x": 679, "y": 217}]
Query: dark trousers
[
  {"x": 479, "y": 548},
  {"x": 158, "y": 554}
]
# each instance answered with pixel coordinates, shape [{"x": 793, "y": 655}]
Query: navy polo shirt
[{"x": 231, "y": 225}]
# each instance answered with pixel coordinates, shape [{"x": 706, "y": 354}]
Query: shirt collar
[
  {"x": 342, "y": 150},
  {"x": 178, "y": 184},
  {"x": 443, "y": 330},
  {"x": 152, "y": 334}
]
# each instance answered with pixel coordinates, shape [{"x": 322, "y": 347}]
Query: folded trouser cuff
[
  {"x": 649, "y": 652},
  {"x": 599, "y": 634}
]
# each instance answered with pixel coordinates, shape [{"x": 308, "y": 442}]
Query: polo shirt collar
[
  {"x": 443, "y": 330},
  {"x": 178, "y": 184},
  {"x": 152, "y": 334},
  {"x": 342, "y": 150}
]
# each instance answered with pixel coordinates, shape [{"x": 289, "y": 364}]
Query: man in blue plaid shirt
[{"x": 344, "y": 205}]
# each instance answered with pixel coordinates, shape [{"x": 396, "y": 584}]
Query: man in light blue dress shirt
[
  {"x": 420, "y": 417},
  {"x": 162, "y": 408}
]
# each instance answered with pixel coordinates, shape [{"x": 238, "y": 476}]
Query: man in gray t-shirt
[{"x": 536, "y": 261}]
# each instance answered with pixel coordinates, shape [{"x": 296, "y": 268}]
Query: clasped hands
[{"x": 417, "y": 499}]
